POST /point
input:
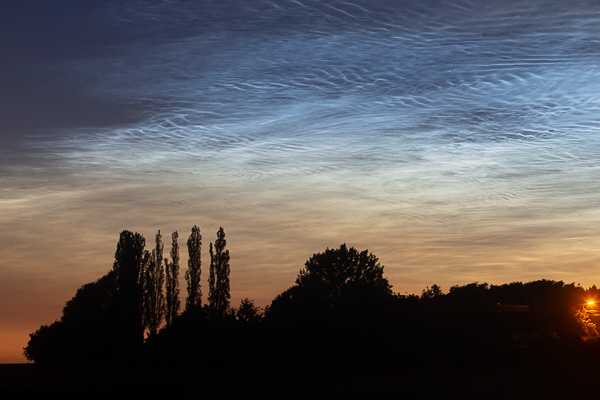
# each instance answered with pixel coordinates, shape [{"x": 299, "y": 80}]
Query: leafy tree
[
  {"x": 336, "y": 285},
  {"x": 218, "y": 284},
  {"x": 48, "y": 345},
  {"x": 430, "y": 293},
  {"x": 248, "y": 312},
  {"x": 154, "y": 299},
  {"x": 84, "y": 333},
  {"x": 593, "y": 294},
  {"x": 192, "y": 275},
  {"x": 589, "y": 329},
  {"x": 172, "y": 281},
  {"x": 103, "y": 321},
  {"x": 337, "y": 272}
]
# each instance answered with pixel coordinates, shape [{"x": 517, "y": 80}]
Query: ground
[{"x": 548, "y": 381}]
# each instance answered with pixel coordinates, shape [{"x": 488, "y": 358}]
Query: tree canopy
[
  {"x": 192, "y": 275},
  {"x": 341, "y": 308},
  {"x": 341, "y": 279},
  {"x": 218, "y": 281},
  {"x": 172, "y": 302},
  {"x": 336, "y": 272}
]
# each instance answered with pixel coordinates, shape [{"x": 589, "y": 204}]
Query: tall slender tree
[
  {"x": 172, "y": 281},
  {"x": 212, "y": 280},
  {"x": 192, "y": 275},
  {"x": 128, "y": 298},
  {"x": 154, "y": 299},
  {"x": 219, "y": 295},
  {"x": 148, "y": 265}
]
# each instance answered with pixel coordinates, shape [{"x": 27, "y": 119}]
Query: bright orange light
[{"x": 590, "y": 303}]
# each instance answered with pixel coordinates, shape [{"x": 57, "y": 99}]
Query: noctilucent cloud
[{"x": 458, "y": 141}]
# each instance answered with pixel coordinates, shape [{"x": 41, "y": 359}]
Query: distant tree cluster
[
  {"x": 341, "y": 313},
  {"x": 108, "y": 318}
]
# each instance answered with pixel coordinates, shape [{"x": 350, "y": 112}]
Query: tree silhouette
[
  {"x": 154, "y": 299},
  {"x": 337, "y": 272},
  {"x": 590, "y": 330},
  {"x": 47, "y": 345},
  {"x": 172, "y": 282},
  {"x": 86, "y": 330},
  {"x": 431, "y": 292},
  {"x": 212, "y": 280},
  {"x": 218, "y": 283},
  {"x": 129, "y": 276},
  {"x": 248, "y": 312},
  {"x": 192, "y": 275},
  {"x": 340, "y": 291},
  {"x": 103, "y": 321},
  {"x": 341, "y": 309}
]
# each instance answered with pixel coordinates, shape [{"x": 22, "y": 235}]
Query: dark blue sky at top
[
  {"x": 40, "y": 91},
  {"x": 35, "y": 34}
]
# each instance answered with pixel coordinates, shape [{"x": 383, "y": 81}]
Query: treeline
[
  {"x": 341, "y": 313},
  {"x": 110, "y": 318}
]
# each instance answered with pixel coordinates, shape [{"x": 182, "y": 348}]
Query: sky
[{"x": 458, "y": 141}]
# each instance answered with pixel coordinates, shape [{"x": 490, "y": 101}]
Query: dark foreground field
[{"x": 561, "y": 380}]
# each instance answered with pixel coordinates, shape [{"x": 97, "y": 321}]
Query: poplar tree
[
  {"x": 154, "y": 299},
  {"x": 212, "y": 291},
  {"x": 172, "y": 281},
  {"x": 219, "y": 295},
  {"x": 192, "y": 275},
  {"x": 128, "y": 297}
]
